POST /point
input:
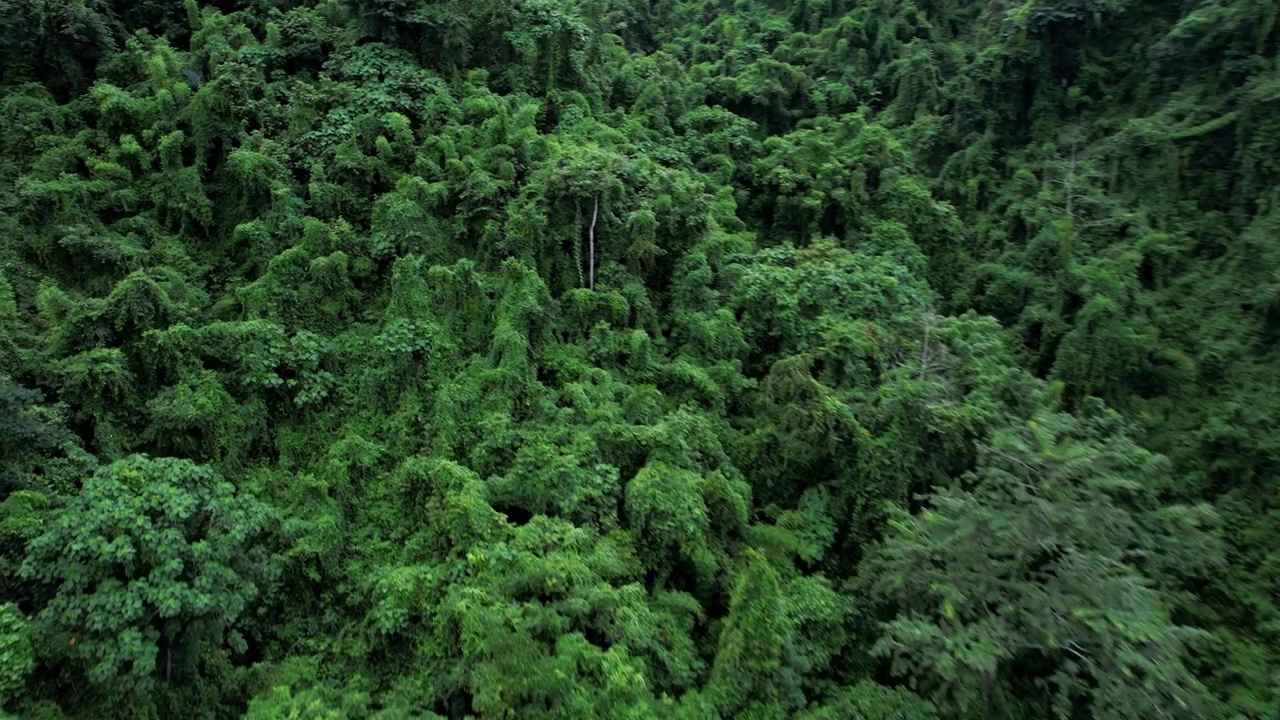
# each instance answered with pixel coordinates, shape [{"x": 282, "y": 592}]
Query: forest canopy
[{"x": 696, "y": 359}]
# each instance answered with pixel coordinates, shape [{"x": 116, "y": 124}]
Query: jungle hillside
[{"x": 640, "y": 359}]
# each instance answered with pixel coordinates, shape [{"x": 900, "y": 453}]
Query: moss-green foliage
[{"x": 403, "y": 359}]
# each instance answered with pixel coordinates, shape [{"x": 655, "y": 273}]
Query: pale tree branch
[{"x": 591, "y": 245}]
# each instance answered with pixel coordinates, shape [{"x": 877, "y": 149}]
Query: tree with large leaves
[{"x": 151, "y": 563}]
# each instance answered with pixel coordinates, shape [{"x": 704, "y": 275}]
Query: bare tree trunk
[{"x": 591, "y": 246}]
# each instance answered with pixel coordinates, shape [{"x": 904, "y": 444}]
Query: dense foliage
[{"x": 888, "y": 359}]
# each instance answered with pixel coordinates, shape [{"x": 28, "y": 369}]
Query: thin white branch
[{"x": 591, "y": 245}]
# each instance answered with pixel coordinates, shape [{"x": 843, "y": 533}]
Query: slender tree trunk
[{"x": 591, "y": 246}]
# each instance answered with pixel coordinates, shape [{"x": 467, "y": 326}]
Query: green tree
[
  {"x": 1025, "y": 582},
  {"x": 755, "y": 672},
  {"x": 153, "y": 560},
  {"x": 17, "y": 657}
]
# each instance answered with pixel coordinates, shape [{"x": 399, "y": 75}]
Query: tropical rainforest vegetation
[{"x": 816, "y": 359}]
